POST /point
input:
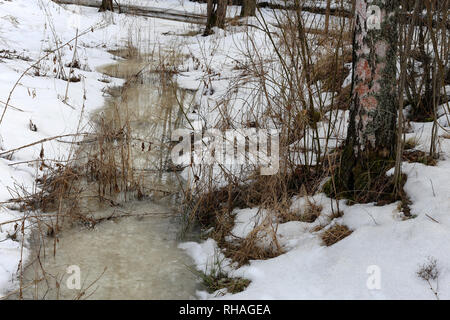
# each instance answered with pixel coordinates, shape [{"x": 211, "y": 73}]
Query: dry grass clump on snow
[{"x": 335, "y": 234}]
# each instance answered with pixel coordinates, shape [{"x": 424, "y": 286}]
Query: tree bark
[
  {"x": 327, "y": 16},
  {"x": 216, "y": 11},
  {"x": 248, "y": 8},
  {"x": 371, "y": 134},
  {"x": 107, "y": 5}
]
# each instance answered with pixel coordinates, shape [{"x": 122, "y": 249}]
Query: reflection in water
[{"x": 139, "y": 251}]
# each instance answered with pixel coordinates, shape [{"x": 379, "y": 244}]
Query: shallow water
[
  {"x": 140, "y": 255},
  {"x": 134, "y": 256}
]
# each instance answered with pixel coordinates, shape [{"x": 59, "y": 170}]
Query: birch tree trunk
[{"x": 371, "y": 135}]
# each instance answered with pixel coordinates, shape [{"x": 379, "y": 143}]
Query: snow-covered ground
[
  {"x": 383, "y": 246},
  {"x": 378, "y": 260}
]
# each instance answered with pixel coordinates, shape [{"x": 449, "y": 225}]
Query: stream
[{"x": 133, "y": 252}]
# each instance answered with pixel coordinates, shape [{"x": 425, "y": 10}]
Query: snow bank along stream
[{"x": 133, "y": 257}]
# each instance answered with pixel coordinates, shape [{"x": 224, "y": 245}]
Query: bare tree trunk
[
  {"x": 248, "y": 8},
  {"x": 371, "y": 135},
  {"x": 327, "y": 16},
  {"x": 107, "y": 5},
  {"x": 216, "y": 11}
]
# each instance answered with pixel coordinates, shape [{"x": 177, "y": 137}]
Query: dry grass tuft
[
  {"x": 215, "y": 281},
  {"x": 253, "y": 247},
  {"x": 335, "y": 234},
  {"x": 249, "y": 249},
  {"x": 419, "y": 156},
  {"x": 411, "y": 143},
  {"x": 311, "y": 213}
]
